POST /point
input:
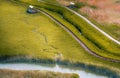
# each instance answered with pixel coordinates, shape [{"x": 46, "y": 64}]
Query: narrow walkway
[
  {"x": 76, "y": 38},
  {"x": 93, "y": 25}
]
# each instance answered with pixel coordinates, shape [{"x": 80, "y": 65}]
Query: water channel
[{"x": 56, "y": 68}]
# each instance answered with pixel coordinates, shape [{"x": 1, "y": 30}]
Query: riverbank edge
[
  {"x": 89, "y": 68},
  {"x": 34, "y": 73}
]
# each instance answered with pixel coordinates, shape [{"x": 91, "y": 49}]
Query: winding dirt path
[
  {"x": 76, "y": 38},
  {"x": 93, "y": 25}
]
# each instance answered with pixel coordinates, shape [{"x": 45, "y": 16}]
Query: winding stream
[{"x": 56, "y": 68}]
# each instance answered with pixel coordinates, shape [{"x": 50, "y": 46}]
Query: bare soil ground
[{"x": 108, "y": 11}]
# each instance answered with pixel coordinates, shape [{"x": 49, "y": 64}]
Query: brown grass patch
[{"x": 5, "y": 73}]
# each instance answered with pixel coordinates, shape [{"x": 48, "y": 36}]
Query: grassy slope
[
  {"x": 97, "y": 42},
  {"x": 86, "y": 58},
  {"x": 4, "y": 73},
  {"x": 32, "y": 34},
  {"x": 24, "y": 34},
  {"x": 111, "y": 29}
]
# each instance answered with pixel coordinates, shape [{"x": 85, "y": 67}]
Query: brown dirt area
[{"x": 108, "y": 11}]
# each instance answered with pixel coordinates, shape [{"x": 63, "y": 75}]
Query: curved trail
[
  {"x": 89, "y": 22},
  {"x": 93, "y": 25},
  {"x": 76, "y": 38}
]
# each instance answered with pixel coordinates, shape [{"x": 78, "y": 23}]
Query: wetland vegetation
[{"x": 35, "y": 36}]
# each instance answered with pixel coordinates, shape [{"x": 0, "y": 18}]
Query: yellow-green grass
[
  {"x": 26, "y": 34},
  {"x": 5, "y": 73},
  {"x": 98, "y": 42},
  {"x": 85, "y": 58},
  {"x": 32, "y": 34},
  {"x": 53, "y": 1},
  {"x": 111, "y": 29},
  {"x": 79, "y": 35}
]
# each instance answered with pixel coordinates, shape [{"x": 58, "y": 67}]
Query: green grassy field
[
  {"x": 4, "y": 73},
  {"x": 37, "y": 36},
  {"x": 111, "y": 29},
  {"x": 90, "y": 36},
  {"x": 32, "y": 34}
]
